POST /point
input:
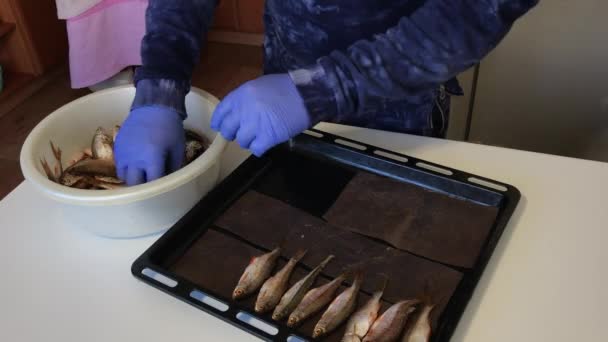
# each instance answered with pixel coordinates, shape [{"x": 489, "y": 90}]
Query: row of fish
[
  {"x": 299, "y": 302},
  {"x": 94, "y": 167}
]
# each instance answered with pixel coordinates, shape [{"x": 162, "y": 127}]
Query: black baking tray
[{"x": 338, "y": 154}]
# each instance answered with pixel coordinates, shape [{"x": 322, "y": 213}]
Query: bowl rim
[{"x": 119, "y": 196}]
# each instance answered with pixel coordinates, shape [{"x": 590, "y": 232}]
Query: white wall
[{"x": 545, "y": 88}]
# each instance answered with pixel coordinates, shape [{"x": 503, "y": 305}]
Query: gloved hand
[
  {"x": 149, "y": 145},
  {"x": 262, "y": 113}
]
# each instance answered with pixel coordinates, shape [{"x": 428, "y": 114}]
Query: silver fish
[
  {"x": 389, "y": 326},
  {"x": 294, "y": 295},
  {"x": 339, "y": 310},
  {"x": 359, "y": 323},
  {"x": 420, "y": 331},
  {"x": 274, "y": 288},
  {"x": 69, "y": 179},
  {"x": 101, "y": 146},
  {"x": 110, "y": 180},
  {"x": 315, "y": 300},
  {"x": 256, "y": 273}
]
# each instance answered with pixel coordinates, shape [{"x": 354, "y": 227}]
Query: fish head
[
  {"x": 278, "y": 315},
  {"x": 238, "y": 293},
  {"x": 318, "y": 332},
  {"x": 261, "y": 308},
  {"x": 293, "y": 320}
]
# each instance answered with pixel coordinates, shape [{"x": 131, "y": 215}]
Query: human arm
[
  {"x": 429, "y": 47},
  {"x": 150, "y": 143}
]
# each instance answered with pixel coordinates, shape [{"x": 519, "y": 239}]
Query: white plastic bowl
[{"x": 130, "y": 212}]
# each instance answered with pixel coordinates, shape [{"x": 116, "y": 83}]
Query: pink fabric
[{"x": 105, "y": 39}]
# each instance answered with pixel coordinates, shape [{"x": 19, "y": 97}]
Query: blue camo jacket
[{"x": 371, "y": 63}]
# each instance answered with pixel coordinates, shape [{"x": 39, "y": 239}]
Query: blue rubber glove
[
  {"x": 149, "y": 145},
  {"x": 262, "y": 113}
]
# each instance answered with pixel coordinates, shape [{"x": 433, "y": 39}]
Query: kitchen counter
[{"x": 546, "y": 281}]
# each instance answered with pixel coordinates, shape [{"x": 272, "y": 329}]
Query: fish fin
[
  {"x": 56, "y": 150},
  {"x": 299, "y": 255},
  {"x": 47, "y": 169},
  {"x": 57, "y": 154},
  {"x": 57, "y": 172}
]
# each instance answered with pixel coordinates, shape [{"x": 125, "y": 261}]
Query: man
[{"x": 382, "y": 64}]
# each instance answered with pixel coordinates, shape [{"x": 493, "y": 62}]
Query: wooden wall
[{"x": 238, "y": 21}]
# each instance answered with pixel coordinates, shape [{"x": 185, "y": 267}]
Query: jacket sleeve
[
  {"x": 170, "y": 50},
  {"x": 435, "y": 43}
]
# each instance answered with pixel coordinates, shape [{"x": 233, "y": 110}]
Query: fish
[
  {"x": 109, "y": 180},
  {"x": 315, "y": 300},
  {"x": 359, "y": 323},
  {"x": 274, "y": 288},
  {"x": 192, "y": 135},
  {"x": 389, "y": 326},
  {"x": 69, "y": 179},
  {"x": 351, "y": 338},
  {"x": 102, "y": 145},
  {"x": 78, "y": 156},
  {"x": 82, "y": 184},
  {"x": 47, "y": 170},
  {"x": 99, "y": 167},
  {"x": 294, "y": 295},
  {"x": 106, "y": 186},
  {"x": 58, "y": 165},
  {"x": 258, "y": 270},
  {"x": 339, "y": 309},
  {"x": 193, "y": 149},
  {"x": 420, "y": 331}
]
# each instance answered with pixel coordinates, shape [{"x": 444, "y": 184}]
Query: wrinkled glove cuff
[
  {"x": 162, "y": 92},
  {"x": 318, "y": 95}
]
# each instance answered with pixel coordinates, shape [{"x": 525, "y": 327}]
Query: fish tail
[
  {"x": 343, "y": 276},
  {"x": 353, "y": 269},
  {"x": 326, "y": 261},
  {"x": 426, "y": 297},
  {"x": 358, "y": 277},
  {"x": 299, "y": 255},
  {"x": 57, "y": 154},
  {"x": 283, "y": 241},
  {"x": 384, "y": 283},
  {"x": 277, "y": 250}
]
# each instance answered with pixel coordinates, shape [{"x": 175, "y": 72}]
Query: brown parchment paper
[
  {"x": 424, "y": 222},
  {"x": 267, "y": 222}
]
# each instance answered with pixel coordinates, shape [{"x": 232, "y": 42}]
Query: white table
[{"x": 547, "y": 279}]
